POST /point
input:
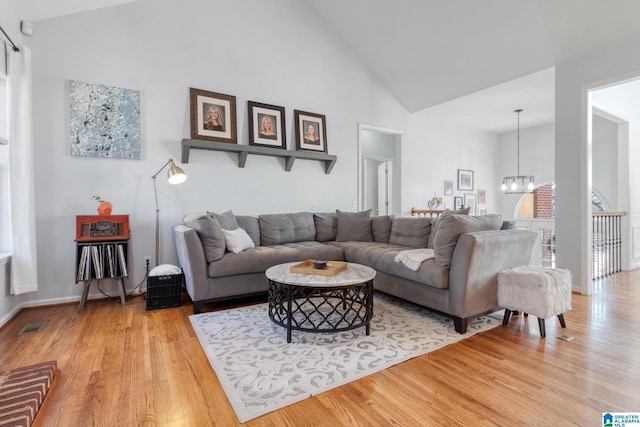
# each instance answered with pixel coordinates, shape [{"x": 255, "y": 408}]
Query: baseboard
[{"x": 5, "y": 319}]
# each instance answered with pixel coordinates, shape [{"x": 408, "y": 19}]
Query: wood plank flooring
[{"x": 124, "y": 366}]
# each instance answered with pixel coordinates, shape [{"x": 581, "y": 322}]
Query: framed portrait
[
  {"x": 266, "y": 125},
  {"x": 213, "y": 116},
  {"x": 470, "y": 202},
  {"x": 457, "y": 203},
  {"x": 448, "y": 188},
  {"x": 465, "y": 180},
  {"x": 311, "y": 131},
  {"x": 482, "y": 197}
]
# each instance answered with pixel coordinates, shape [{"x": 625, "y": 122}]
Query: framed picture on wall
[
  {"x": 311, "y": 131},
  {"x": 266, "y": 125},
  {"x": 465, "y": 180},
  {"x": 470, "y": 202},
  {"x": 213, "y": 116},
  {"x": 457, "y": 203},
  {"x": 482, "y": 197},
  {"x": 448, "y": 188}
]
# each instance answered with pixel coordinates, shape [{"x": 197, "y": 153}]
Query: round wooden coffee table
[{"x": 315, "y": 303}]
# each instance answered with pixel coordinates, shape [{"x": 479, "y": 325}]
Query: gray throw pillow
[
  {"x": 381, "y": 228},
  {"x": 435, "y": 221},
  {"x": 410, "y": 232},
  {"x": 211, "y": 235},
  {"x": 226, "y": 219},
  {"x": 326, "y": 226},
  {"x": 251, "y": 226},
  {"x": 354, "y": 226},
  {"x": 450, "y": 228}
]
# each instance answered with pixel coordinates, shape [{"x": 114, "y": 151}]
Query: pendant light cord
[{"x": 518, "y": 151}]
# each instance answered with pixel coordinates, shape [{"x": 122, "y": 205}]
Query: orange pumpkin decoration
[{"x": 104, "y": 208}]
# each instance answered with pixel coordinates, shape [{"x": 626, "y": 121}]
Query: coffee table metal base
[{"x": 321, "y": 309}]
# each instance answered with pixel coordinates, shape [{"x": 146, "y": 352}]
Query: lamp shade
[{"x": 176, "y": 175}]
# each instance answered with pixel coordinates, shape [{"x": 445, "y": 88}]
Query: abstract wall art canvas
[{"x": 105, "y": 121}]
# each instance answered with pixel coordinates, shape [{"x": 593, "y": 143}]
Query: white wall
[
  {"x": 266, "y": 52},
  {"x": 573, "y": 154},
  {"x": 269, "y": 52},
  {"x": 536, "y": 158},
  {"x": 435, "y": 154}
]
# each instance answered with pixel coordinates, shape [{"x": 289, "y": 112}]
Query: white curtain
[{"x": 24, "y": 263}]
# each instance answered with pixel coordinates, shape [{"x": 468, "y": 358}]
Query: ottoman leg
[
  {"x": 541, "y": 325},
  {"x": 507, "y": 316},
  {"x": 561, "y": 319}
]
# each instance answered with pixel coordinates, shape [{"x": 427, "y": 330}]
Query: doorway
[{"x": 379, "y": 170}]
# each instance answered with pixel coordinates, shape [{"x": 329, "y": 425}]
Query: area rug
[
  {"x": 22, "y": 391},
  {"x": 260, "y": 372}
]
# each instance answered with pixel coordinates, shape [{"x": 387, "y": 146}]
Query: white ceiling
[{"x": 453, "y": 57}]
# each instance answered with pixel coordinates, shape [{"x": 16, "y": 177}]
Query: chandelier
[{"x": 518, "y": 184}]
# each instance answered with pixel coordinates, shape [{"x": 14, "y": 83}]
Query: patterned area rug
[{"x": 260, "y": 372}]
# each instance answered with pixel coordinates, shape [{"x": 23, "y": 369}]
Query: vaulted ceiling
[{"x": 473, "y": 59}]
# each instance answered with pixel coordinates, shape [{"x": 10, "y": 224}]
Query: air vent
[{"x": 32, "y": 327}]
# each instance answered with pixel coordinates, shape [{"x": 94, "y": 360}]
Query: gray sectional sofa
[{"x": 459, "y": 281}]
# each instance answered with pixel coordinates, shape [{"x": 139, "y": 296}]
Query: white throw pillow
[{"x": 237, "y": 240}]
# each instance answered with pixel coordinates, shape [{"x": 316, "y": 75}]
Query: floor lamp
[{"x": 175, "y": 175}]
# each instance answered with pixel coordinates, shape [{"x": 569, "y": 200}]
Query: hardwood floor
[{"x": 129, "y": 367}]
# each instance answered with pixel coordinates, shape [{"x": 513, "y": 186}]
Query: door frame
[{"x": 397, "y": 165}]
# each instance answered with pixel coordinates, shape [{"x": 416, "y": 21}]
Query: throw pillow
[
  {"x": 237, "y": 240},
  {"x": 435, "y": 221},
  {"x": 410, "y": 232},
  {"x": 210, "y": 233},
  {"x": 251, "y": 225},
  {"x": 381, "y": 228},
  {"x": 326, "y": 226},
  {"x": 452, "y": 226},
  {"x": 354, "y": 226},
  {"x": 226, "y": 219}
]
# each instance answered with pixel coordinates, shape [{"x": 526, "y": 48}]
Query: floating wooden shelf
[{"x": 244, "y": 150}]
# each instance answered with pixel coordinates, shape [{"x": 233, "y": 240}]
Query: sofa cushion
[
  {"x": 326, "y": 226},
  {"x": 381, "y": 257},
  {"x": 260, "y": 258},
  {"x": 354, "y": 226},
  {"x": 436, "y": 221},
  {"x": 277, "y": 229},
  {"x": 381, "y": 228},
  {"x": 251, "y": 225},
  {"x": 450, "y": 227},
  {"x": 226, "y": 219},
  {"x": 410, "y": 232},
  {"x": 237, "y": 240},
  {"x": 210, "y": 233}
]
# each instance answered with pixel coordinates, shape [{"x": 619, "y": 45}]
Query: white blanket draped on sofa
[{"x": 413, "y": 258}]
